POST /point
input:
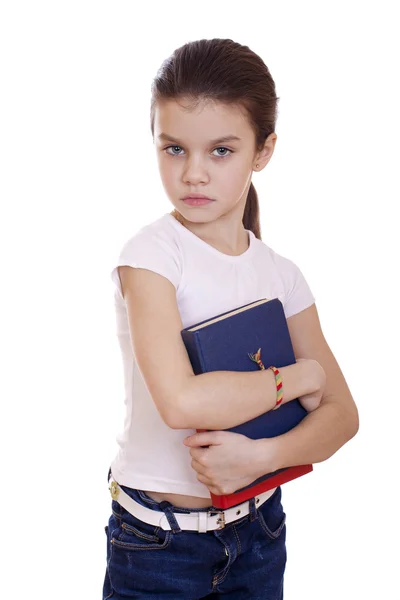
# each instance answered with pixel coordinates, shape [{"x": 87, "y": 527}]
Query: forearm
[
  {"x": 317, "y": 437},
  {"x": 224, "y": 399}
]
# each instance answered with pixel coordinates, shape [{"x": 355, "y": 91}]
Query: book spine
[{"x": 193, "y": 348}]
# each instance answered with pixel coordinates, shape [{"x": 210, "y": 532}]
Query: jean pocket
[
  {"x": 271, "y": 516},
  {"x": 134, "y": 534}
]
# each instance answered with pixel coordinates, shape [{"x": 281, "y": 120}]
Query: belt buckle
[
  {"x": 221, "y": 518},
  {"x": 114, "y": 491}
]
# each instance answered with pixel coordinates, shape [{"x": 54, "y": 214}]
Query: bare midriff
[{"x": 180, "y": 500}]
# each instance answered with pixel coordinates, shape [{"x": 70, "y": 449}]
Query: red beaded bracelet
[{"x": 278, "y": 378}]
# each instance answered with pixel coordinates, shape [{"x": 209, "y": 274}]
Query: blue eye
[
  {"x": 219, "y": 148},
  {"x": 172, "y": 147},
  {"x": 223, "y": 148}
]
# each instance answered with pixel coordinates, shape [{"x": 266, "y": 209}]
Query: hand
[
  {"x": 317, "y": 375},
  {"x": 231, "y": 460}
]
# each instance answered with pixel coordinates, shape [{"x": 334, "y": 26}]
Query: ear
[{"x": 263, "y": 157}]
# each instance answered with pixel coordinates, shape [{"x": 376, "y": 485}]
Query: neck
[{"x": 226, "y": 247}]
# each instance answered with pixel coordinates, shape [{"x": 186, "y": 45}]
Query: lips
[
  {"x": 196, "y": 197},
  {"x": 197, "y": 201}
]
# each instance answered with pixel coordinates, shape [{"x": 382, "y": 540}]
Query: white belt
[{"x": 195, "y": 521}]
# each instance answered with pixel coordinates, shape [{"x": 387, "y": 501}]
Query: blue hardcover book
[{"x": 224, "y": 343}]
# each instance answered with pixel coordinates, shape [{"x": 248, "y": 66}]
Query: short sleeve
[
  {"x": 297, "y": 294},
  {"x": 150, "y": 251}
]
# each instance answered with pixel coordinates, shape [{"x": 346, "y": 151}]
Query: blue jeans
[{"x": 244, "y": 561}]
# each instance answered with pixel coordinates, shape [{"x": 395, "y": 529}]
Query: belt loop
[
  {"x": 166, "y": 507},
  {"x": 252, "y": 510},
  {"x": 203, "y": 516}
]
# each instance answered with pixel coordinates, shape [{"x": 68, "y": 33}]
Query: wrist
[
  {"x": 267, "y": 456},
  {"x": 306, "y": 377},
  {"x": 297, "y": 380}
]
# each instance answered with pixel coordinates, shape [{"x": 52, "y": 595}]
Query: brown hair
[{"x": 222, "y": 70}]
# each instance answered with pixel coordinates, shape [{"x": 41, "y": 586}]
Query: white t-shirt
[{"x": 151, "y": 455}]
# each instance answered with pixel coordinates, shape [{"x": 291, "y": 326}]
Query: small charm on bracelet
[{"x": 278, "y": 378}]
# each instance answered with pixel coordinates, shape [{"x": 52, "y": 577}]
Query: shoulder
[
  {"x": 154, "y": 247},
  {"x": 153, "y": 236},
  {"x": 285, "y": 267},
  {"x": 297, "y": 294}
]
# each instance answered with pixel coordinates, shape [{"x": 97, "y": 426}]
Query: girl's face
[{"x": 193, "y": 158}]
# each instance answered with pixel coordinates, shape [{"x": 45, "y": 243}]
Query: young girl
[{"x": 213, "y": 115}]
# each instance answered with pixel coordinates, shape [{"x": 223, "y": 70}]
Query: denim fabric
[{"x": 245, "y": 560}]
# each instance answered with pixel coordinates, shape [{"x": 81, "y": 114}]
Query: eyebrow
[{"x": 225, "y": 138}]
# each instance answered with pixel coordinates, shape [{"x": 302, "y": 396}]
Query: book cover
[{"x": 224, "y": 343}]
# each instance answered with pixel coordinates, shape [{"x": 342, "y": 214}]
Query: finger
[
  {"x": 213, "y": 488},
  {"x": 198, "y": 454},
  {"x": 198, "y": 467},
  {"x": 206, "y": 438},
  {"x": 206, "y": 480}
]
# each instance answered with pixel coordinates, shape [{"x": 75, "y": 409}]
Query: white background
[{"x": 79, "y": 176}]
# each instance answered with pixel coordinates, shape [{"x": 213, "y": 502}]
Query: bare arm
[
  {"x": 223, "y": 399},
  {"x": 322, "y": 432},
  {"x": 216, "y": 400}
]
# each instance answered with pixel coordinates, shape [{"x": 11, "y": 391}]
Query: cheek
[
  {"x": 235, "y": 177},
  {"x": 168, "y": 173}
]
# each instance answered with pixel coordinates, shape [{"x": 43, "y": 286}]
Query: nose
[{"x": 194, "y": 172}]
